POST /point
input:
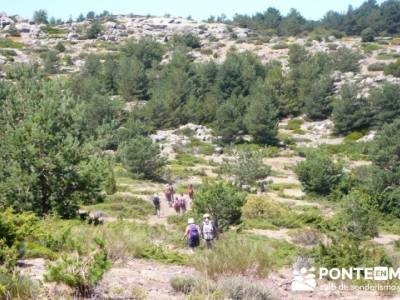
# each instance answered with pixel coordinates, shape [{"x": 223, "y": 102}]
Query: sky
[{"x": 198, "y": 9}]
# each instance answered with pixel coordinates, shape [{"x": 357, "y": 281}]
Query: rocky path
[{"x": 126, "y": 280}]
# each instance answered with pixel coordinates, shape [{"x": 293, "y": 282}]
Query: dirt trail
[{"x": 124, "y": 280}]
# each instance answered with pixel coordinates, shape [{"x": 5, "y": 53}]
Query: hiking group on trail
[
  {"x": 179, "y": 203},
  {"x": 193, "y": 233}
]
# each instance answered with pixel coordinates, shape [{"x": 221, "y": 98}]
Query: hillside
[{"x": 291, "y": 145}]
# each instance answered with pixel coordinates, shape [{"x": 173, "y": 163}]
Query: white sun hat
[{"x": 191, "y": 221}]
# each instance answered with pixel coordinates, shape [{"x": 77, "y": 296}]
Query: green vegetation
[
  {"x": 53, "y": 30},
  {"x": 318, "y": 173},
  {"x": 79, "y": 272},
  {"x": 247, "y": 167},
  {"x": 370, "y": 47},
  {"x": 9, "y": 43},
  {"x": 220, "y": 200},
  {"x": 370, "y": 19},
  {"x": 141, "y": 158},
  {"x": 123, "y": 207},
  {"x": 387, "y": 56},
  {"x": 393, "y": 69}
]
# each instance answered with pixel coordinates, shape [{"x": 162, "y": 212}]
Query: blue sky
[{"x": 198, "y": 9}]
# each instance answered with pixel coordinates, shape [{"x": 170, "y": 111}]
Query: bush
[
  {"x": 376, "y": 67},
  {"x": 344, "y": 252},
  {"x": 8, "y": 43},
  {"x": 280, "y": 46},
  {"x": 241, "y": 289},
  {"x": 53, "y": 30},
  {"x": 141, "y": 158},
  {"x": 318, "y": 173},
  {"x": 81, "y": 273},
  {"x": 307, "y": 236},
  {"x": 393, "y": 69},
  {"x": 17, "y": 287},
  {"x": 220, "y": 200},
  {"x": 295, "y": 124},
  {"x": 94, "y": 30},
  {"x": 15, "y": 229},
  {"x": 358, "y": 216},
  {"x": 247, "y": 167},
  {"x": 183, "y": 285},
  {"x": 189, "y": 40},
  {"x": 227, "y": 258},
  {"x": 368, "y": 35},
  {"x": 264, "y": 213},
  {"x": 60, "y": 47}
]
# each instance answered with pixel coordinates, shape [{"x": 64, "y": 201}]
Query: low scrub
[
  {"x": 9, "y": 43},
  {"x": 123, "y": 206},
  {"x": 227, "y": 258},
  {"x": 80, "y": 272},
  {"x": 241, "y": 288},
  {"x": 17, "y": 287}
]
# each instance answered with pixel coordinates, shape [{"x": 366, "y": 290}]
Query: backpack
[
  {"x": 193, "y": 231},
  {"x": 156, "y": 200},
  {"x": 208, "y": 230}
]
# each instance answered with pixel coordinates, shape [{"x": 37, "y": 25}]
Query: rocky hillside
[{"x": 30, "y": 40}]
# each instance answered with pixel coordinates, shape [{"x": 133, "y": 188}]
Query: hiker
[
  {"x": 177, "y": 205},
  {"x": 182, "y": 204},
  {"x": 208, "y": 231},
  {"x": 192, "y": 234},
  {"x": 157, "y": 204},
  {"x": 169, "y": 194},
  {"x": 190, "y": 191},
  {"x": 263, "y": 189}
]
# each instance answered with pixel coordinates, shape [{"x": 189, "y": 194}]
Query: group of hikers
[
  {"x": 207, "y": 231},
  {"x": 179, "y": 203}
]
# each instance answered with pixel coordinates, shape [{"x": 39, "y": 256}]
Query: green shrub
[
  {"x": 189, "y": 160},
  {"x": 247, "y": 167},
  {"x": 141, "y": 157},
  {"x": 295, "y": 124},
  {"x": 241, "y": 289},
  {"x": 17, "y": 287},
  {"x": 60, "y": 47},
  {"x": 376, "y": 67},
  {"x": 318, "y": 173},
  {"x": 8, "y": 43},
  {"x": 122, "y": 206},
  {"x": 53, "y": 30},
  {"x": 227, "y": 258},
  {"x": 94, "y": 30},
  {"x": 387, "y": 56},
  {"x": 359, "y": 216},
  {"x": 354, "y": 136},
  {"x": 280, "y": 46},
  {"x": 262, "y": 212},
  {"x": 343, "y": 252},
  {"x": 15, "y": 229},
  {"x": 204, "y": 148},
  {"x": 81, "y": 273},
  {"x": 393, "y": 69},
  {"x": 183, "y": 285},
  {"x": 368, "y": 35},
  {"x": 35, "y": 250},
  {"x": 221, "y": 200}
]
